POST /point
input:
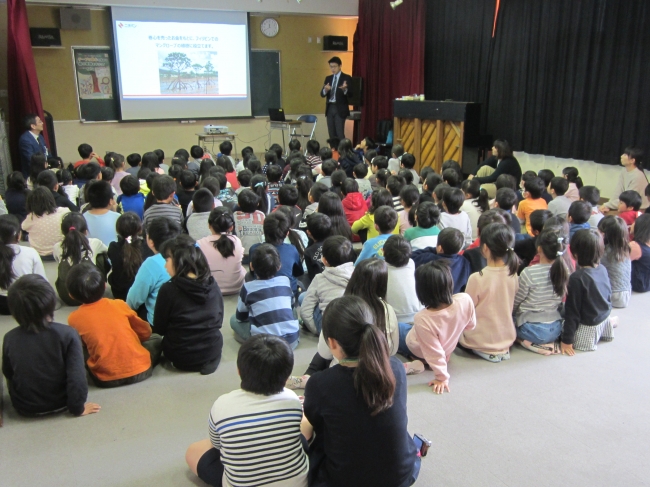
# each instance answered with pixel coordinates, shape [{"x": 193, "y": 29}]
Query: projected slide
[{"x": 182, "y": 60}]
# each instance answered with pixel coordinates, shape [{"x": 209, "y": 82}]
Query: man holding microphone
[{"x": 336, "y": 90}]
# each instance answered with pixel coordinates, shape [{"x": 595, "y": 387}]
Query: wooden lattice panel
[
  {"x": 451, "y": 142},
  {"x": 428, "y": 145},
  {"x": 407, "y": 131}
]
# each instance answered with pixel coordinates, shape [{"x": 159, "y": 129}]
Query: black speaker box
[
  {"x": 356, "y": 99},
  {"x": 335, "y": 43}
]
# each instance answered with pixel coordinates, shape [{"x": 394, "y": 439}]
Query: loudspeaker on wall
[{"x": 75, "y": 19}]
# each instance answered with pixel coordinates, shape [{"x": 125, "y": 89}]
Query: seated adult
[
  {"x": 87, "y": 155},
  {"x": 501, "y": 162},
  {"x": 31, "y": 142},
  {"x": 633, "y": 178},
  {"x": 358, "y": 408}
]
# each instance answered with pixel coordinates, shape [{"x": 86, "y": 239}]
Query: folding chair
[{"x": 313, "y": 119}]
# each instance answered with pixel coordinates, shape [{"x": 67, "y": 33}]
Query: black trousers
[{"x": 335, "y": 123}]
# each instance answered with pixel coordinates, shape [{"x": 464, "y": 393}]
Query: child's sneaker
[
  {"x": 413, "y": 368},
  {"x": 295, "y": 382}
]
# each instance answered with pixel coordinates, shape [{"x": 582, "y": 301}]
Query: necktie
[{"x": 336, "y": 80}]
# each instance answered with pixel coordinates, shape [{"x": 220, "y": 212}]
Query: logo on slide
[{"x": 120, "y": 25}]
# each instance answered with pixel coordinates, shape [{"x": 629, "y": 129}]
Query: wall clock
[{"x": 270, "y": 27}]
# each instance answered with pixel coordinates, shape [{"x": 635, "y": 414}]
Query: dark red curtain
[
  {"x": 388, "y": 56},
  {"x": 24, "y": 94}
]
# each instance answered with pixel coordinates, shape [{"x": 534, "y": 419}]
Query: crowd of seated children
[
  {"x": 223, "y": 251},
  {"x": 119, "y": 346},
  {"x": 319, "y": 227},
  {"x": 126, "y": 254},
  {"x": 15, "y": 260},
  {"x": 338, "y": 261},
  {"x": 449, "y": 245},
  {"x": 269, "y": 291},
  {"x": 47, "y": 179},
  {"x": 42, "y": 360},
  {"x": 189, "y": 309},
  {"x": 400, "y": 293},
  {"x": 616, "y": 258},
  {"x": 575, "y": 183},
  {"x": 385, "y": 223},
  {"x": 43, "y": 221},
  {"x": 493, "y": 292},
  {"x": 152, "y": 273},
  {"x": 381, "y": 197},
  {"x": 424, "y": 233},
  {"x": 438, "y": 327},
  {"x": 76, "y": 248}
]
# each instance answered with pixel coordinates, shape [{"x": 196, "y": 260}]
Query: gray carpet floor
[{"x": 533, "y": 420}]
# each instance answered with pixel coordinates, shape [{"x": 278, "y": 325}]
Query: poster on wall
[{"x": 94, "y": 77}]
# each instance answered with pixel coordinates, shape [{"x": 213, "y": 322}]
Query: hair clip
[
  {"x": 129, "y": 239},
  {"x": 71, "y": 228},
  {"x": 560, "y": 240},
  {"x": 261, "y": 184},
  {"x": 196, "y": 244},
  {"x": 560, "y": 254},
  {"x": 510, "y": 249}
]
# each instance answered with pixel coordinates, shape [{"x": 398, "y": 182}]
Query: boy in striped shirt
[
  {"x": 254, "y": 431},
  {"x": 265, "y": 304}
]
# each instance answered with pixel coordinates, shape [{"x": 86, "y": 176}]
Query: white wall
[
  {"x": 603, "y": 176},
  {"x": 311, "y": 7}
]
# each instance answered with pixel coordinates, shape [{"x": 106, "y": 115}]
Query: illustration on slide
[{"x": 187, "y": 73}]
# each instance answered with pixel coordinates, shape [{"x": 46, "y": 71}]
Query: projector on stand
[{"x": 215, "y": 129}]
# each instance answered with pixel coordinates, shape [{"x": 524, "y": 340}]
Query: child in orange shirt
[
  {"x": 533, "y": 189},
  {"x": 118, "y": 345}
]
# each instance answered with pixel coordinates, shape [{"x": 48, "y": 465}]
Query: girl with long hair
[
  {"x": 127, "y": 254},
  {"x": 329, "y": 204}
]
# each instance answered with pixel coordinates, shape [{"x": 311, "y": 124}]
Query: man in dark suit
[
  {"x": 31, "y": 142},
  {"x": 336, "y": 90}
]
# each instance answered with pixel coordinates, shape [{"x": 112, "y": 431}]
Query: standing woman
[
  {"x": 358, "y": 408},
  {"x": 502, "y": 161}
]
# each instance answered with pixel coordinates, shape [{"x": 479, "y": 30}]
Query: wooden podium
[{"x": 436, "y": 131}]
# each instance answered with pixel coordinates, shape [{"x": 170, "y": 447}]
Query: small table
[
  {"x": 204, "y": 138},
  {"x": 282, "y": 126}
]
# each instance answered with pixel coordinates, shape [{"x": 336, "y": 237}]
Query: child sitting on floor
[
  {"x": 579, "y": 213},
  {"x": 381, "y": 197},
  {"x": 152, "y": 273},
  {"x": 43, "y": 222},
  {"x": 542, "y": 288},
  {"x": 126, "y": 255},
  {"x": 385, "y": 219},
  {"x": 319, "y": 227},
  {"x": 409, "y": 197},
  {"x": 452, "y": 201},
  {"x": 197, "y": 222},
  {"x": 476, "y": 202},
  {"x": 533, "y": 200},
  {"x": 591, "y": 194},
  {"x": 506, "y": 199},
  {"x": 131, "y": 199},
  {"x": 271, "y": 430},
  {"x": 224, "y": 251},
  {"x": 629, "y": 203},
  {"x": 616, "y": 258},
  {"x": 101, "y": 216},
  {"x": 189, "y": 311},
  {"x": 560, "y": 204},
  {"x": 640, "y": 255},
  {"x": 164, "y": 189},
  {"x": 121, "y": 348},
  {"x": 575, "y": 183},
  {"x": 450, "y": 243},
  {"x": 437, "y": 328},
  {"x": 15, "y": 260},
  {"x": 493, "y": 292},
  {"x": 400, "y": 293},
  {"x": 338, "y": 259},
  {"x": 42, "y": 360},
  {"x": 265, "y": 303},
  {"x": 249, "y": 221},
  {"x": 588, "y": 302},
  {"x": 425, "y": 233}
]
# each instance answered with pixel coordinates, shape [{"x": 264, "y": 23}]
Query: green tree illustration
[{"x": 177, "y": 62}]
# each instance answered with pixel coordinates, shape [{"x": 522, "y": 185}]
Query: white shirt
[
  {"x": 36, "y": 136},
  {"x": 96, "y": 247},
  {"x": 26, "y": 261}
]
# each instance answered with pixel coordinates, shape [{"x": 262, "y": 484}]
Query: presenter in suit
[
  {"x": 336, "y": 90},
  {"x": 31, "y": 142}
]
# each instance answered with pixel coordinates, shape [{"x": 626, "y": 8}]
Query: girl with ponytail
[
  {"x": 75, "y": 248},
  {"x": 493, "y": 291},
  {"x": 542, "y": 289},
  {"x": 259, "y": 185},
  {"x": 15, "y": 260},
  {"x": 224, "y": 251},
  {"x": 358, "y": 408},
  {"x": 127, "y": 254},
  {"x": 476, "y": 202}
]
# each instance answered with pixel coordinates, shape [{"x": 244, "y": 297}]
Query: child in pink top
[
  {"x": 437, "y": 328},
  {"x": 224, "y": 251},
  {"x": 493, "y": 291}
]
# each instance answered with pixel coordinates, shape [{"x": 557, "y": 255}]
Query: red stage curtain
[
  {"x": 389, "y": 56},
  {"x": 24, "y": 94}
]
